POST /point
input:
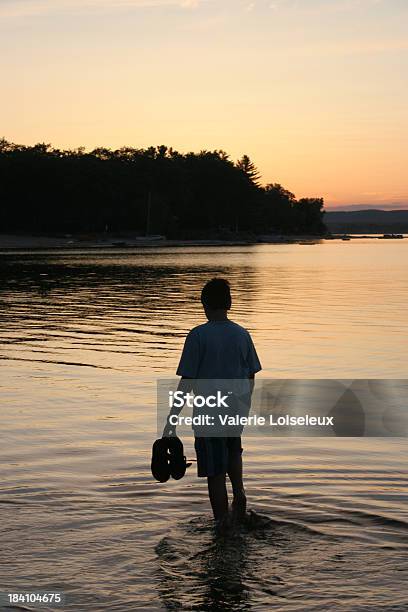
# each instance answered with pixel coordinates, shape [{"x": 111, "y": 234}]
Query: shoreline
[
  {"x": 32, "y": 242},
  {"x": 16, "y": 242}
]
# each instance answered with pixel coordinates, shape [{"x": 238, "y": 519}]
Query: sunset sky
[{"x": 314, "y": 91}]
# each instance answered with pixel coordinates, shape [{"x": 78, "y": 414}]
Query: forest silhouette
[{"x": 149, "y": 191}]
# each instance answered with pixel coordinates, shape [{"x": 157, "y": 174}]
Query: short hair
[{"x": 216, "y": 294}]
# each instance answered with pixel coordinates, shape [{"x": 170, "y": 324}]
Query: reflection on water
[
  {"x": 83, "y": 337},
  {"x": 271, "y": 562},
  {"x": 311, "y": 308}
]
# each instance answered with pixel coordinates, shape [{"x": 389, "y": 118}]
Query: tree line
[{"x": 155, "y": 191}]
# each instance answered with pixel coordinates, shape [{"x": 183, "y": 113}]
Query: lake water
[{"x": 83, "y": 337}]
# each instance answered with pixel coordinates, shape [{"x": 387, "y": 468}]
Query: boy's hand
[{"x": 169, "y": 431}]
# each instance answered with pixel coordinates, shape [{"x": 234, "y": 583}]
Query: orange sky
[{"x": 314, "y": 91}]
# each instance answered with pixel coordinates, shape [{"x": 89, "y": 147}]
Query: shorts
[{"x": 213, "y": 454}]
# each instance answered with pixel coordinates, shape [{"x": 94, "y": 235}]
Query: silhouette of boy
[{"x": 218, "y": 349}]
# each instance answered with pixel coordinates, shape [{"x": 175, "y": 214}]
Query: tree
[
  {"x": 249, "y": 169},
  {"x": 309, "y": 215},
  {"x": 43, "y": 189}
]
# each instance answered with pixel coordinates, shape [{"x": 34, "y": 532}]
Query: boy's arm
[
  {"x": 251, "y": 382},
  {"x": 185, "y": 385},
  {"x": 188, "y": 370}
]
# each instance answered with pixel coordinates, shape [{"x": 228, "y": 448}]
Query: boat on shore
[{"x": 391, "y": 237}]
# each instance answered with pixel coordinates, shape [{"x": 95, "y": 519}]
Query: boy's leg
[
  {"x": 212, "y": 458},
  {"x": 235, "y": 476},
  {"x": 217, "y": 491}
]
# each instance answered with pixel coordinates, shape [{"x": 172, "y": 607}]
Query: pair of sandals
[{"x": 168, "y": 459}]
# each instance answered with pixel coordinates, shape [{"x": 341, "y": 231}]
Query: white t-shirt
[{"x": 218, "y": 350}]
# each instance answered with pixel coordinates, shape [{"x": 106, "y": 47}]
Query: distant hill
[{"x": 367, "y": 221}]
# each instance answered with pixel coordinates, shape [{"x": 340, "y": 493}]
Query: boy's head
[{"x": 216, "y": 297}]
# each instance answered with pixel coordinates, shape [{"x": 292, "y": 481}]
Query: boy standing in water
[{"x": 218, "y": 349}]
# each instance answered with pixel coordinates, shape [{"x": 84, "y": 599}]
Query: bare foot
[
  {"x": 223, "y": 525},
  {"x": 239, "y": 504}
]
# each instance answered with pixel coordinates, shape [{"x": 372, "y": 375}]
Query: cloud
[
  {"x": 189, "y": 3},
  {"x": 323, "y": 5},
  {"x": 347, "y": 5},
  {"x": 26, "y": 8},
  {"x": 356, "y": 47}
]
